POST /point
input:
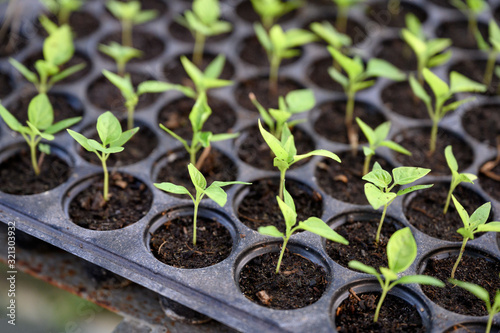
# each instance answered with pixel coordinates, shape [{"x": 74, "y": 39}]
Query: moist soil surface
[
  {"x": 64, "y": 106},
  {"x": 483, "y": 123},
  {"x": 82, "y": 24},
  {"x": 330, "y": 122},
  {"x": 105, "y": 95},
  {"x": 6, "y": 85},
  {"x": 361, "y": 230},
  {"x": 150, "y": 45},
  {"x": 175, "y": 116},
  {"x": 425, "y": 211},
  {"x": 255, "y": 151},
  {"x": 136, "y": 149},
  {"x": 318, "y": 74},
  {"x": 260, "y": 87},
  {"x": 343, "y": 181},
  {"x": 489, "y": 184},
  {"x": 355, "y": 314},
  {"x": 299, "y": 283},
  {"x": 252, "y": 52},
  {"x": 174, "y": 71},
  {"x": 474, "y": 70},
  {"x": 416, "y": 140},
  {"x": 398, "y": 53},
  {"x": 130, "y": 199},
  {"x": 18, "y": 177},
  {"x": 459, "y": 33},
  {"x": 217, "y": 166},
  {"x": 473, "y": 269},
  {"x": 259, "y": 207},
  {"x": 383, "y": 15},
  {"x": 172, "y": 243}
]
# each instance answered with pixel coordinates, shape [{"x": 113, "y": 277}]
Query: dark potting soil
[
  {"x": 343, "y": 181},
  {"x": 182, "y": 34},
  {"x": 443, "y": 3},
  {"x": 299, "y": 283},
  {"x": 11, "y": 42},
  {"x": 172, "y": 243},
  {"x": 483, "y": 123},
  {"x": 174, "y": 71},
  {"x": 64, "y": 106},
  {"x": 105, "y": 95},
  {"x": 217, "y": 166},
  {"x": 459, "y": 34},
  {"x": 136, "y": 149},
  {"x": 259, "y": 207},
  {"x": 150, "y": 45},
  {"x": 82, "y": 24},
  {"x": 246, "y": 12},
  {"x": 159, "y": 5},
  {"x": 473, "y": 269},
  {"x": 330, "y": 122},
  {"x": 260, "y": 87},
  {"x": 385, "y": 15},
  {"x": 361, "y": 230},
  {"x": 252, "y": 52},
  {"x": 425, "y": 211},
  {"x": 175, "y": 116},
  {"x": 416, "y": 140},
  {"x": 355, "y": 314},
  {"x": 318, "y": 74},
  {"x": 130, "y": 199},
  {"x": 398, "y": 53},
  {"x": 77, "y": 59},
  {"x": 6, "y": 85},
  {"x": 17, "y": 176},
  {"x": 254, "y": 150},
  {"x": 489, "y": 184},
  {"x": 474, "y": 70},
  {"x": 399, "y": 98}
]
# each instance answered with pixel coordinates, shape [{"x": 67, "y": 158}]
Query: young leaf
[
  {"x": 406, "y": 175},
  {"x": 270, "y": 230},
  {"x": 401, "y": 250}
]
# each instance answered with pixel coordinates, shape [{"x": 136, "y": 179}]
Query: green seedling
[
  {"x": 378, "y": 189},
  {"x": 58, "y": 48},
  {"x": 312, "y": 224},
  {"x": 401, "y": 253},
  {"x": 112, "y": 141},
  {"x": 120, "y": 54},
  {"x": 429, "y": 52},
  {"x": 358, "y": 78},
  {"x": 271, "y": 10},
  {"x": 280, "y": 45},
  {"x": 62, "y": 9},
  {"x": 129, "y": 14},
  {"x": 40, "y": 125},
  {"x": 214, "y": 191},
  {"x": 377, "y": 138},
  {"x": 472, "y": 9},
  {"x": 456, "y": 178},
  {"x": 203, "y": 21},
  {"x": 201, "y": 139},
  {"x": 343, "y": 7},
  {"x": 474, "y": 224},
  {"x": 286, "y": 153},
  {"x": 294, "y": 102},
  {"x": 483, "y": 295},
  {"x": 442, "y": 93},
  {"x": 492, "y": 50},
  {"x": 131, "y": 96},
  {"x": 326, "y": 31}
]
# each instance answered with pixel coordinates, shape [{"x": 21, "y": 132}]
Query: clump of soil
[
  {"x": 483, "y": 123},
  {"x": 255, "y": 151},
  {"x": 361, "y": 230},
  {"x": 18, "y": 177},
  {"x": 425, "y": 211},
  {"x": 398, "y": 53},
  {"x": 299, "y": 283},
  {"x": 459, "y": 34},
  {"x": 417, "y": 140},
  {"x": 150, "y": 45},
  {"x": 355, "y": 314},
  {"x": 474, "y": 70},
  {"x": 330, "y": 121},
  {"x": 480, "y": 270},
  {"x": 259, "y": 207},
  {"x": 380, "y": 13},
  {"x": 130, "y": 199},
  {"x": 172, "y": 243},
  {"x": 343, "y": 181}
]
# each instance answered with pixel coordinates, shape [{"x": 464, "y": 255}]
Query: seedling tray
[{"x": 214, "y": 290}]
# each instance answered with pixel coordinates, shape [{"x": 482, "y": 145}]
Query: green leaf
[
  {"x": 9, "y": 119},
  {"x": 197, "y": 177},
  {"x": 172, "y": 188},
  {"x": 40, "y": 112},
  {"x": 58, "y": 47},
  {"x": 467, "y": 177},
  {"x": 438, "y": 86},
  {"x": 368, "y": 151},
  {"x": 416, "y": 43},
  {"x": 395, "y": 146},
  {"x": 401, "y": 250},
  {"x": 381, "y": 68},
  {"x": 466, "y": 233},
  {"x": 270, "y": 230},
  {"x": 300, "y": 100},
  {"x": 194, "y": 73},
  {"x": 474, "y": 289},
  {"x": 456, "y": 104},
  {"x": 354, "y": 264},
  {"x": 318, "y": 227},
  {"x": 460, "y": 83},
  {"x": 145, "y": 16},
  {"x": 461, "y": 211},
  {"x": 60, "y": 125},
  {"x": 222, "y": 184},
  {"x": 388, "y": 274},
  {"x": 450, "y": 158},
  {"x": 418, "y": 90},
  {"x": 379, "y": 177},
  {"x": 492, "y": 226},
  {"x": 262, "y": 36},
  {"x": 407, "y": 175},
  {"x": 215, "y": 68},
  {"x": 223, "y": 136},
  {"x": 413, "y": 189},
  {"x": 439, "y": 59},
  {"x": 376, "y": 197},
  {"x": 217, "y": 194},
  {"x": 175, "y": 136},
  {"x": 480, "y": 215},
  {"x": 317, "y": 152},
  {"x": 155, "y": 87},
  {"x": 99, "y": 147},
  {"x": 338, "y": 77},
  {"x": 273, "y": 143},
  {"x": 350, "y": 66},
  {"x": 124, "y": 137},
  {"x": 200, "y": 113},
  {"x": 437, "y": 45},
  {"x": 367, "y": 131},
  {"x": 47, "y": 24},
  {"x": 288, "y": 213},
  {"x": 83, "y": 141},
  {"x": 382, "y": 131},
  {"x": 108, "y": 128},
  {"x": 29, "y": 75},
  {"x": 124, "y": 84},
  {"x": 288, "y": 199},
  {"x": 67, "y": 72},
  {"x": 421, "y": 279}
]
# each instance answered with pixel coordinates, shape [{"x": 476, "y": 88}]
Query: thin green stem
[
  {"x": 282, "y": 183},
  {"x": 385, "y": 289},
  {"x": 199, "y": 45},
  {"x": 490, "y": 65},
  {"x": 349, "y": 110},
  {"x": 192, "y": 155},
  {"x": 448, "y": 198},
  {"x": 33, "y": 144},
  {"x": 106, "y": 176},
  {"x": 366, "y": 166},
  {"x": 341, "y": 23},
  {"x": 127, "y": 33},
  {"x": 195, "y": 217},
  {"x": 434, "y": 131},
  {"x": 273, "y": 75},
  {"x": 63, "y": 17},
  {"x": 130, "y": 117},
  {"x": 379, "y": 229},
  {"x": 285, "y": 241},
  {"x": 490, "y": 322},
  {"x": 459, "y": 257},
  {"x": 120, "y": 68}
]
